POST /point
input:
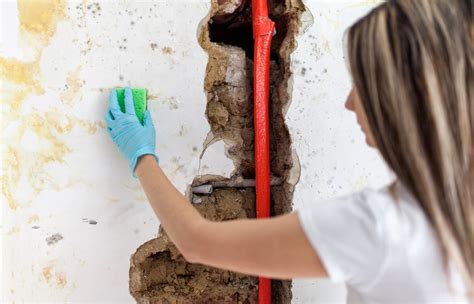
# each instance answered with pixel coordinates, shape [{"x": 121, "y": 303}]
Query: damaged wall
[
  {"x": 67, "y": 195},
  {"x": 224, "y": 34}
]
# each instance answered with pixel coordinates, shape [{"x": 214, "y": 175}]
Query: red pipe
[{"x": 262, "y": 33}]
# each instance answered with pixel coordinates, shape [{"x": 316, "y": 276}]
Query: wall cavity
[{"x": 158, "y": 272}]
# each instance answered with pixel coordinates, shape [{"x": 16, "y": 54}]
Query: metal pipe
[{"x": 208, "y": 187}]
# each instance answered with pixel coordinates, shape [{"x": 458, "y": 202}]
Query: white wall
[{"x": 60, "y": 170}]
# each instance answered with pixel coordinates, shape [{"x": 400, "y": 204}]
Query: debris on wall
[{"x": 158, "y": 272}]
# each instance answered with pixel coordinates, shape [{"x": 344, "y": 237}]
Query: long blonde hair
[{"x": 412, "y": 64}]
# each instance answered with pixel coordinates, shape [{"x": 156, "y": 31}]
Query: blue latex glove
[{"x": 133, "y": 139}]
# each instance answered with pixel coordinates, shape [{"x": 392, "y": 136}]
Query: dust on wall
[{"x": 158, "y": 272}]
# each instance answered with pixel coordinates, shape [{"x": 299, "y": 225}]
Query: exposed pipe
[
  {"x": 263, "y": 29},
  {"x": 238, "y": 182}
]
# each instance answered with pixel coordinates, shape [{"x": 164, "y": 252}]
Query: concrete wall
[{"x": 71, "y": 213}]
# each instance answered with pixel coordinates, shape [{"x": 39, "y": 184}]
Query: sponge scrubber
[{"x": 139, "y": 101}]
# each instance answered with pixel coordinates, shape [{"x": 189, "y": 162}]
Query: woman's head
[{"x": 412, "y": 64}]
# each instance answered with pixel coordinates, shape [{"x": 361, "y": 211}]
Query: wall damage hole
[{"x": 158, "y": 273}]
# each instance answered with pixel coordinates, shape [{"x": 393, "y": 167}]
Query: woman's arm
[{"x": 275, "y": 248}]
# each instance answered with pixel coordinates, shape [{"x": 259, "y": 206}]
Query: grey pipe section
[{"x": 235, "y": 183}]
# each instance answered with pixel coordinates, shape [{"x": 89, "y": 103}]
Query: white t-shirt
[{"x": 384, "y": 250}]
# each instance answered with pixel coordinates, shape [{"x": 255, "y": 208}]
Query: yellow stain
[
  {"x": 89, "y": 127},
  {"x": 19, "y": 80},
  {"x": 52, "y": 276},
  {"x": 11, "y": 175},
  {"x": 40, "y": 17},
  {"x": 61, "y": 280},
  {"x": 47, "y": 126},
  {"x": 12, "y": 231},
  {"x": 19, "y": 72},
  {"x": 32, "y": 219},
  {"x": 47, "y": 272},
  {"x": 74, "y": 85}
]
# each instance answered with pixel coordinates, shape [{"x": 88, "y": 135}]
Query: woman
[{"x": 413, "y": 86}]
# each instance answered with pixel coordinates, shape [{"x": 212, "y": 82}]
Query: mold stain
[
  {"x": 167, "y": 50},
  {"x": 73, "y": 86},
  {"x": 153, "y": 96},
  {"x": 22, "y": 80},
  {"x": 53, "y": 239},
  {"x": 61, "y": 280},
  {"x": 39, "y": 18},
  {"x": 33, "y": 219},
  {"x": 53, "y": 277},
  {"x": 12, "y": 231},
  {"x": 47, "y": 273}
]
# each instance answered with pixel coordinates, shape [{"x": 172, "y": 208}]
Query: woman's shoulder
[
  {"x": 389, "y": 211},
  {"x": 392, "y": 196},
  {"x": 375, "y": 199}
]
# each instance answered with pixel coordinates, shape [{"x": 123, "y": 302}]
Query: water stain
[
  {"x": 47, "y": 272},
  {"x": 90, "y": 127},
  {"x": 39, "y": 18},
  {"x": 61, "y": 280},
  {"x": 38, "y": 21},
  {"x": 33, "y": 219},
  {"x": 21, "y": 81},
  {"x": 51, "y": 276},
  {"x": 73, "y": 86},
  {"x": 12, "y": 231},
  {"x": 152, "y": 96}
]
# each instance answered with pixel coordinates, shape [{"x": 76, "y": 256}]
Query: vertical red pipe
[{"x": 262, "y": 33}]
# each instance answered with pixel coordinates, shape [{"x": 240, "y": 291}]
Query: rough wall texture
[{"x": 226, "y": 35}]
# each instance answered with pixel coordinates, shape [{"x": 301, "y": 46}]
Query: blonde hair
[{"x": 412, "y": 64}]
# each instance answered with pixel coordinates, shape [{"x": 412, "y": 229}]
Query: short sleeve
[{"x": 347, "y": 234}]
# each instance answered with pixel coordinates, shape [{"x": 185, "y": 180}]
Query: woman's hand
[{"x": 131, "y": 137}]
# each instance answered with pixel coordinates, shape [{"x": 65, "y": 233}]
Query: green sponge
[{"x": 139, "y": 101}]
